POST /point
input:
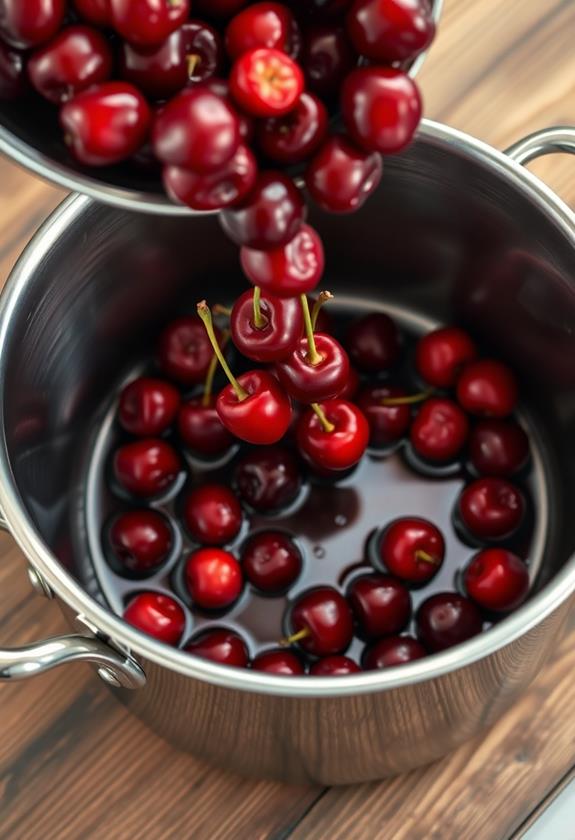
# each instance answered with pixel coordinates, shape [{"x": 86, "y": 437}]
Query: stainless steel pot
[{"x": 456, "y": 231}]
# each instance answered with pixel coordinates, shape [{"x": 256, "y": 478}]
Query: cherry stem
[
  {"x": 218, "y": 309},
  {"x": 320, "y": 414},
  {"x": 206, "y": 316},
  {"x": 313, "y": 357},
  {"x": 322, "y": 298},
  {"x": 410, "y": 399},
  {"x": 209, "y": 381},
  {"x": 295, "y": 637},
  {"x": 425, "y": 557},
  {"x": 259, "y": 320},
  {"x": 192, "y": 62}
]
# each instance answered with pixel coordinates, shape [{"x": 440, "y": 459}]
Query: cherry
[
  {"x": 498, "y": 447},
  {"x": 316, "y": 371},
  {"x": 271, "y": 215},
  {"x": 491, "y": 508},
  {"x": 157, "y": 615},
  {"x": 146, "y": 467},
  {"x": 488, "y": 388},
  {"x": 141, "y": 541},
  {"x": 333, "y": 436},
  {"x": 94, "y": 11},
  {"x": 381, "y": 605},
  {"x": 204, "y": 50},
  {"x": 282, "y": 662},
  {"x": 214, "y": 190},
  {"x": 213, "y": 578},
  {"x": 334, "y": 666},
  {"x": 106, "y": 123},
  {"x": 341, "y": 177},
  {"x": 446, "y": 619},
  {"x": 381, "y": 108},
  {"x": 297, "y": 135},
  {"x": 197, "y": 129},
  {"x": 221, "y": 88},
  {"x": 212, "y": 514},
  {"x": 373, "y": 343},
  {"x": 219, "y": 8},
  {"x": 13, "y": 79},
  {"x": 321, "y": 622},
  {"x": 266, "y": 82},
  {"x": 159, "y": 71},
  {"x": 267, "y": 479},
  {"x": 265, "y": 328},
  {"x": 412, "y": 549},
  {"x": 395, "y": 650},
  {"x": 439, "y": 430},
  {"x": 147, "y": 407},
  {"x": 351, "y": 386},
  {"x": 200, "y": 428},
  {"x": 497, "y": 580},
  {"x": 327, "y": 59},
  {"x": 271, "y": 561},
  {"x": 289, "y": 270},
  {"x": 269, "y": 25},
  {"x": 146, "y": 23},
  {"x": 390, "y": 30},
  {"x": 220, "y": 645},
  {"x": 440, "y": 355},
  {"x": 28, "y": 23},
  {"x": 184, "y": 350},
  {"x": 387, "y": 422},
  {"x": 327, "y": 9}
]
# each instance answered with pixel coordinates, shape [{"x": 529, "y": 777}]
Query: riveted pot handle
[{"x": 560, "y": 138}]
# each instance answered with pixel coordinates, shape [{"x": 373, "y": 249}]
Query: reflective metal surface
[{"x": 457, "y": 231}]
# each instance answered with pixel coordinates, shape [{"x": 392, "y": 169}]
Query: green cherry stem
[
  {"x": 295, "y": 637},
  {"x": 259, "y": 320},
  {"x": 209, "y": 381},
  {"x": 320, "y": 414},
  {"x": 322, "y": 298},
  {"x": 411, "y": 399},
  {"x": 313, "y": 357},
  {"x": 425, "y": 557},
  {"x": 206, "y": 316},
  {"x": 218, "y": 309}
]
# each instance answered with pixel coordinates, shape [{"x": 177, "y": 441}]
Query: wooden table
[{"x": 74, "y": 764}]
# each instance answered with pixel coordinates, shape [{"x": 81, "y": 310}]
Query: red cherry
[
  {"x": 160, "y": 71},
  {"x": 498, "y": 447},
  {"x": 146, "y": 23},
  {"x": 439, "y": 430},
  {"x": 282, "y": 662},
  {"x": 334, "y": 666},
  {"x": 381, "y": 605},
  {"x": 341, "y": 177},
  {"x": 290, "y": 270},
  {"x": 271, "y": 561},
  {"x": 221, "y": 88},
  {"x": 497, "y": 580},
  {"x": 146, "y": 467},
  {"x": 322, "y": 620},
  {"x": 395, "y": 650},
  {"x": 13, "y": 79},
  {"x": 263, "y": 416},
  {"x": 106, "y": 123},
  {"x": 387, "y": 423},
  {"x": 447, "y": 619},
  {"x": 216, "y": 190},
  {"x": 184, "y": 350},
  {"x": 280, "y": 327},
  {"x": 94, "y": 11},
  {"x": 412, "y": 549},
  {"x": 342, "y": 444},
  {"x": 487, "y": 388},
  {"x": 372, "y": 342},
  {"x": 219, "y": 8},
  {"x": 197, "y": 129},
  {"x": 268, "y": 25},
  {"x": 28, "y": 23},
  {"x": 141, "y": 541},
  {"x": 310, "y": 381},
  {"x": 440, "y": 355},
  {"x": 266, "y": 82},
  {"x": 268, "y": 479},
  {"x": 381, "y": 108},
  {"x": 157, "y": 615},
  {"x": 213, "y": 578},
  {"x": 200, "y": 428},
  {"x": 297, "y": 135},
  {"x": 220, "y": 645},
  {"x": 148, "y": 407},
  {"x": 327, "y": 59},
  {"x": 212, "y": 514},
  {"x": 390, "y": 30},
  {"x": 491, "y": 508},
  {"x": 204, "y": 51}
]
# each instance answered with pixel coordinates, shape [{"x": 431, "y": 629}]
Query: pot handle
[{"x": 560, "y": 138}]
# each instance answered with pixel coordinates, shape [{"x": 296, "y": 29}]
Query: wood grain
[{"x": 73, "y": 763}]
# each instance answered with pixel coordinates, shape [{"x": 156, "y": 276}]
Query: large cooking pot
[{"x": 457, "y": 231}]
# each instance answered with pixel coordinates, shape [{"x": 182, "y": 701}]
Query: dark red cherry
[
  {"x": 220, "y": 9},
  {"x": 268, "y": 479},
  {"x": 297, "y": 135},
  {"x": 156, "y": 615},
  {"x": 498, "y": 447},
  {"x": 324, "y": 9},
  {"x": 334, "y": 666},
  {"x": 13, "y": 79},
  {"x": 200, "y": 428},
  {"x": 412, "y": 549},
  {"x": 327, "y": 59},
  {"x": 214, "y": 190},
  {"x": 488, "y": 388},
  {"x": 146, "y": 467},
  {"x": 269, "y": 25},
  {"x": 351, "y": 386},
  {"x": 381, "y": 108},
  {"x": 266, "y": 82},
  {"x": 313, "y": 378},
  {"x": 440, "y": 355},
  {"x": 491, "y": 508},
  {"x": 387, "y": 423},
  {"x": 322, "y": 620},
  {"x": 213, "y": 578},
  {"x": 147, "y": 407},
  {"x": 439, "y": 431},
  {"x": 221, "y": 645},
  {"x": 289, "y": 270},
  {"x": 381, "y": 605},
  {"x": 141, "y": 541},
  {"x": 447, "y": 619},
  {"x": 497, "y": 580},
  {"x": 336, "y": 442},
  {"x": 341, "y": 177},
  {"x": 94, "y": 11},
  {"x": 390, "y": 30},
  {"x": 271, "y": 561},
  {"x": 281, "y": 662},
  {"x": 159, "y": 71},
  {"x": 204, "y": 51},
  {"x": 146, "y": 23},
  {"x": 28, "y": 23},
  {"x": 373, "y": 343},
  {"x": 212, "y": 514},
  {"x": 279, "y": 329},
  {"x": 184, "y": 350},
  {"x": 395, "y": 650}
]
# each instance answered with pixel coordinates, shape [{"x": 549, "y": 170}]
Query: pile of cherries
[{"x": 453, "y": 413}]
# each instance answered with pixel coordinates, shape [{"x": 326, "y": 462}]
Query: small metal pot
[{"x": 457, "y": 231}]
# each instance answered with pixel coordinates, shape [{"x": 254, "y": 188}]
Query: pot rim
[{"x": 70, "y": 591}]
